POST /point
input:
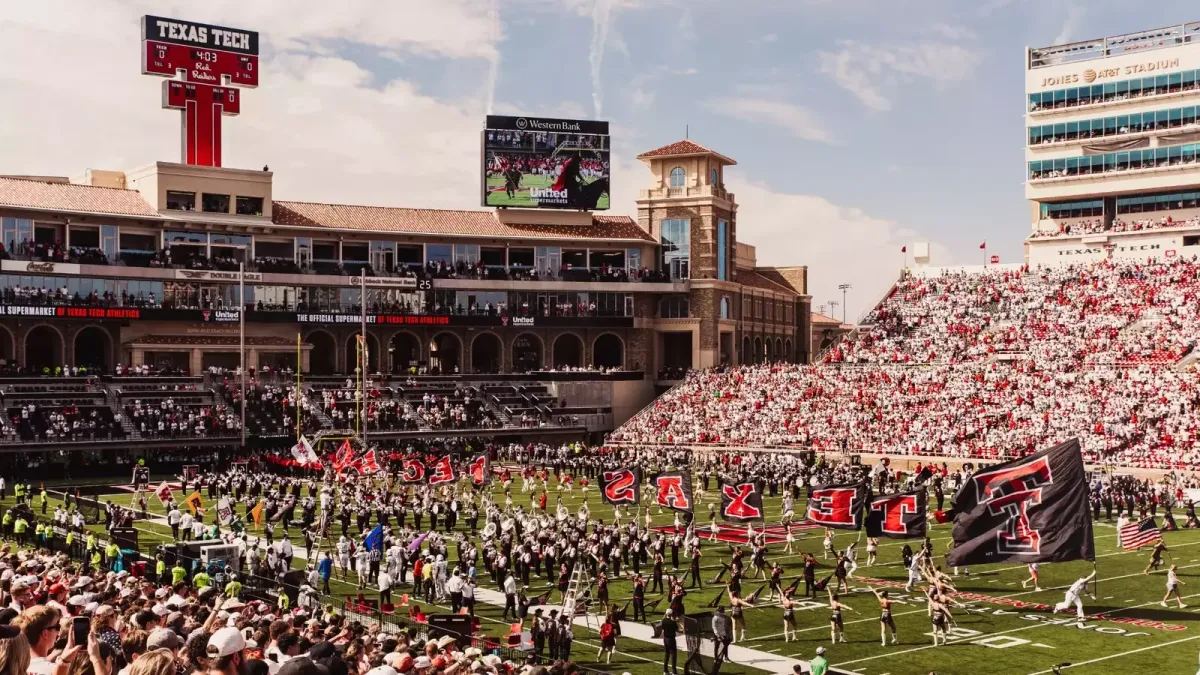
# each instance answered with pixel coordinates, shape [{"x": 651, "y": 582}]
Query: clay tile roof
[
  {"x": 684, "y": 147},
  {"x": 818, "y": 317},
  {"x": 756, "y": 280},
  {"x": 71, "y": 198},
  {"x": 445, "y": 222}
]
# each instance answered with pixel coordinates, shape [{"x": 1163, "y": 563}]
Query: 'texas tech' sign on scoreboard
[{"x": 209, "y": 61}]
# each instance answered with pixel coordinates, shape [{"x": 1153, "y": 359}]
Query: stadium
[{"x": 603, "y": 443}]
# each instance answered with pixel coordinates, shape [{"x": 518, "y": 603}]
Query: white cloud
[
  {"x": 1070, "y": 27},
  {"x": 871, "y": 71},
  {"x": 838, "y": 244},
  {"x": 765, "y": 39},
  {"x": 797, "y": 120},
  {"x": 328, "y": 127}
]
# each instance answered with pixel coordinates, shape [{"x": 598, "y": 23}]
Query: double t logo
[{"x": 1010, "y": 492}]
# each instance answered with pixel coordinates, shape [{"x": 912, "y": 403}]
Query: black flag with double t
[
  {"x": 1033, "y": 509},
  {"x": 623, "y": 486},
  {"x": 673, "y": 490},
  {"x": 839, "y": 507},
  {"x": 741, "y": 502},
  {"x": 898, "y": 516}
]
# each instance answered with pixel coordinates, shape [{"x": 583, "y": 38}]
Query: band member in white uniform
[{"x": 1072, "y": 596}]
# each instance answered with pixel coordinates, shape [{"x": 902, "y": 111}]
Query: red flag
[
  {"x": 983, "y": 246},
  {"x": 343, "y": 457},
  {"x": 366, "y": 464}
]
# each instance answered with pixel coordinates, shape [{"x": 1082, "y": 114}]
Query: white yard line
[
  {"x": 986, "y": 635},
  {"x": 1114, "y": 656}
]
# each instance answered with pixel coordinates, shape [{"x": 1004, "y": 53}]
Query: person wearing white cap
[{"x": 226, "y": 650}]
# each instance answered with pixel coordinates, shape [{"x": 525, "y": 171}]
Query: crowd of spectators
[
  {"x": 165, "y": 418},
  {"x": 985, "y": 365},
  {"x": 1097, "y": 226}
]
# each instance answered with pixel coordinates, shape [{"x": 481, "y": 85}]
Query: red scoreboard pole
[{"x": 204, "y": 61}]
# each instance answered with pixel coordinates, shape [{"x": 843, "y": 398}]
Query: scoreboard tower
[{"x": 204, "y": 62}]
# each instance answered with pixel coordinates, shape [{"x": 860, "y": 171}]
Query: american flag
[{"x": 1139, "y": 534}]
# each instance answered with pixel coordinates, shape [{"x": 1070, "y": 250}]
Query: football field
[
  {"x": 1004, "y": 627},
  {"x": 496, "y": 196}
]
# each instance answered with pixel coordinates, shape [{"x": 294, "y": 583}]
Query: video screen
[{"x": 537, "y": 167}]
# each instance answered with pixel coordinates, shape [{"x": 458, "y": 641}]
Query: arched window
[
  {"x": 714, "y": 180},
  {"x": 724, "y": 307},
  {"x": 673, "y": 307},
  {"x": 678, "y": 176}
]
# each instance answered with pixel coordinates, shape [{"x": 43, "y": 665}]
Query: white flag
[
  {"x": 303, "y": 452},
  {"x": 224, "y": 513},
  {"x": 163, "y": 492}
]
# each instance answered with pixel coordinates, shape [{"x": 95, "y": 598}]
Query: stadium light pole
[
  {"x": 833, "y": 305},
  {"x": 364, "y": 358},
  {"x": 242, "y": 340},
  {"x": 844, "y": 288}
]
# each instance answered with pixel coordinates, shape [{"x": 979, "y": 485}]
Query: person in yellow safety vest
[
  {"x": 39, "y": 535},
  {"x": 160, "y": 569},
  {"x": 95, "y": 562},
  {"x": 283, "y": 602},
  {"x": 19, "y": 491},
  {"x": 45, "y": 501},
  {"x": 233, "y": 588},
  {"x": 7, "y": 523},
  {"x": 91, "y": 542},
  {"x": 201, "y": 579},
  {"x": 178, "y": 574},
  {"x": 71, "y": 543},
  {"x": 112, "y": 554},
  {"x": 20, "y": 525}
]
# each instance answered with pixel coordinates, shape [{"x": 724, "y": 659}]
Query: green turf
[
  {"x": 522, "y": 198},
  {"x": 993, "y": 637}
]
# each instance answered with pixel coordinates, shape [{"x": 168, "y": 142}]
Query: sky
[{"x": 859, "y": 126}]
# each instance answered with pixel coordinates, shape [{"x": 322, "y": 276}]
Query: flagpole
[
  {"x": 242, "y": 340},
  {"x": 298, "y": 362}
]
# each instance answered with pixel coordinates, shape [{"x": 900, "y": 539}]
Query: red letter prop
[
  {"x": 441, "y": 471},
  {"x": 838, "y": 506},
  {"x": 741, "y": 502},
  {"x": 900, "y": 516},
  {"x": 621, "y": 487},
  {"x": 673, "y": 490}
]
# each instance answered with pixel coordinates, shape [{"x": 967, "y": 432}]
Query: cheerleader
[
  {"x": 1033, "y": 576},
  {"x": 583, "y": 487},
  {"x": 939, "y": 618},
  {"x": 712, "y": 529},
  {"x": 872, "y": 550},
  {"x": 789, "y": 620},
  {"x": 1173, "y": 584},
  {"x": 791, "y": 541},
  {"x": 829, "y": 544},
  {"x": 886, "y": 621},
  {"x": 837, "y": 628},
  {"x": 738, "y": 615},
  {"x": 776, "y": 581}
]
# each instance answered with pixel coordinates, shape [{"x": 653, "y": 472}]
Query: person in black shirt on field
[{"x": 670, "y": 651}]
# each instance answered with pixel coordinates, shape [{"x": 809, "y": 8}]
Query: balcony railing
[{"x": 689, "y": 191}]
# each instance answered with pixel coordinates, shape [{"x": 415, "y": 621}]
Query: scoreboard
[
  {"x": 177, "y": 94},
  {"x": 207, "y": 66},
  {"x": 204, "y": 64}
]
